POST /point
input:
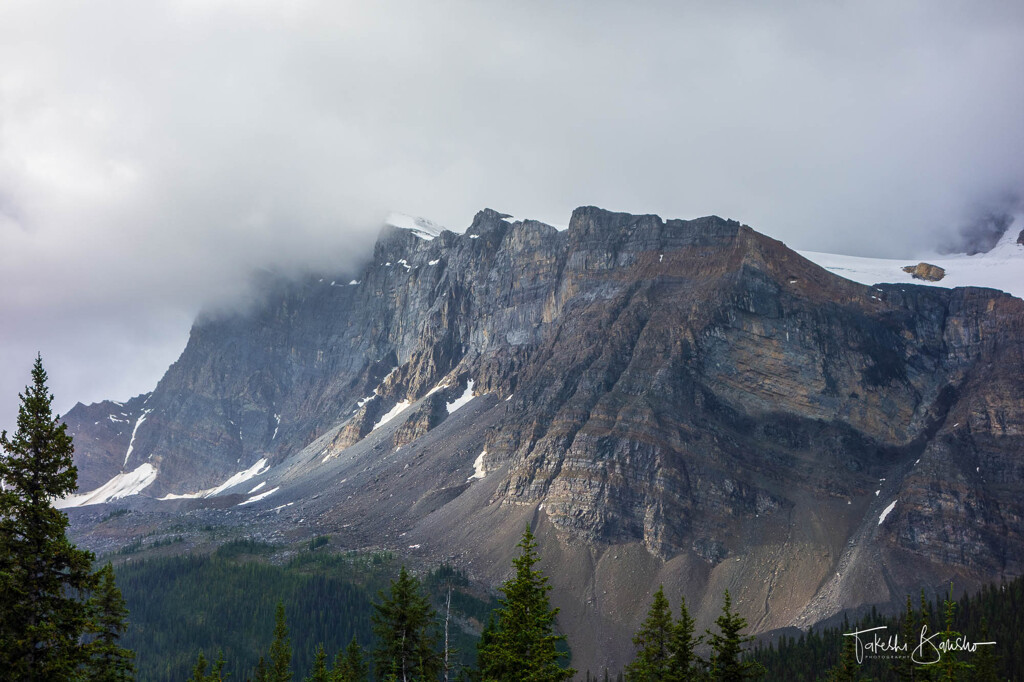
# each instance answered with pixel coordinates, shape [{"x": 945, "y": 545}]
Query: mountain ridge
[{"x": 691, "y": 395}]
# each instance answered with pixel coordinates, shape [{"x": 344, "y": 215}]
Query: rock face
[
  {"x": 680, "y": 402},
  {"x": 926, "y": 271}
]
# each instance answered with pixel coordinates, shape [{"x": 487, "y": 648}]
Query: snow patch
[
  {"x": 478, "y": 467},
  {"x": 277, "y": 418},
  {"x": 474, "y": 236},
  {"x": 404, "y": 263},
  {"x": 131, "y": 443},
  {"x": 420, "y": 227},
  {"x": 513, "y": 220},
  {"x": 353, "y": 282},
  {"x": 394, "y": 412},
  {"x": 124, "y": 484},
  {"x": 256, "y": 469},
  {"x": 257, "y": 487},
  {"x": 433, "y": 262},
  {"x": 462, "y": 399},
  {"x": 885, "y": 512},
  {"x": 261, "y": 496}
]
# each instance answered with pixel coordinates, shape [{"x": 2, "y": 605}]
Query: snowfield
[
  {"x": 124, "y": 484},
  {"x": 1001, "y": 268}
]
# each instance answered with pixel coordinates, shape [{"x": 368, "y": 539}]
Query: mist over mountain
[{"x": 679, "y": 402}]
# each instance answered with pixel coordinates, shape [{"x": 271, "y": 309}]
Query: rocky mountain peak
[{"x": 689, "y": 394}]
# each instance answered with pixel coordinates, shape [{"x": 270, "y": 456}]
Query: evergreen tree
[
  {"x": 349, "y": 666},
  {"x": 904, "y": 666},
  {"x": 43, "y": 577},
  {"x": 653, "y": 641},
  {"x": 261, "y": 674},
  {"x": 319, "y": 673},
  {"x": 684, "y": 665},
  {"x": 985, "y": 669},
  {"x": 847, "y": 669},
  {"x": 726, "y": 661},
  {"x": 280, "y": 649},
  {"x": 405, "y": 625},
  {"x": 523, "y": 644},
  {"x": 199, "y": 671},
  {"x": 107, "y": 661},
  {"x": 950, "y": 668},
  {"x": 216, "y": 673}
]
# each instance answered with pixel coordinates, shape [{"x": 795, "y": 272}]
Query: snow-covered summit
[
  {"x": 1001, "y": 268},
  {"x": 421, "y": 227}
]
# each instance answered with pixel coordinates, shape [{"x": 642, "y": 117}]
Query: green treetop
[
  {"x": 522, "y": 647},
  {"x": 43, "y": 577}
]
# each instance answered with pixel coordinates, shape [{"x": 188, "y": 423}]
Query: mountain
[{"x": 680, "y": 402}]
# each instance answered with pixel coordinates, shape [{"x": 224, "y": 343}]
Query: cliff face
[{"x": 691, "y": 388}]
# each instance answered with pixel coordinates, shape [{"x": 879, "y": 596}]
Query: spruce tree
[
  {"x": 405, "y": 625},
  {"x": 319, "y": 673},
  {"x": 44, "y": 579},
  {"x": 904, "y": 666},
  {"x": 199, "y": 670},
  {"x": 985, "y": 669},
  {"x": 349, "y": 665},
  {"x": 847, "y": 669},
  {"x": 684, "y": 665},
  {"x": 950, "y": 668},
  {"x": 280, "y": 649},
  {"x": 107, "y": 661},
  {"x": 261, "y": 674},
  {"x": 726, "y": 661},
  {"x": 216, "y": 674},
  {"x": 653, "y": 641},
  {"x": 523, "y": 645}
]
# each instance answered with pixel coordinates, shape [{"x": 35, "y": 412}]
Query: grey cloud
[{"x": 152, "y": 155}]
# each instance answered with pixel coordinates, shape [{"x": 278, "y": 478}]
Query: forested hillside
[
  {"x": 226, "y": 600},
  {"x": 995, "y": 614}
]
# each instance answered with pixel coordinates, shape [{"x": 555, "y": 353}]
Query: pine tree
[
  {"x": 44, "y": 579},
  {"x": 261, "y": 674},
  {"x": 319, "y": 673},
  {"x": 847, "y": 669},
  {"x": 985, "y": 669},
  {"x": 523, "y": 644},
  {"x": 653, "y": 642},
  {"x": 280, "y": 649},
  {"x": 726, "y": 661},
  {"x": 107, "y": 661},
  {"x": 216, "y": 673},
  {"x": 904, "y": 666},
  {"x": 349, "y": 665},
  {"x": 406, "y": 629},
  {"x": 950, "y": 667},
  {"x": 684, "y": 665},
  {"x": 199, "y": 670}
]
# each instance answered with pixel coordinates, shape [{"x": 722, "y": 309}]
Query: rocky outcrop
[
  {"x": 692, "y": 390},
  {"x": 925, "y": 271}
]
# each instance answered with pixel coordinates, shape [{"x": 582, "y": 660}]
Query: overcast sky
[{"x": 153, "y": 154}]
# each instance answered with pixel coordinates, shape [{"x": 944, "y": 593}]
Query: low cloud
[{"x": 152, "y": 155}]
